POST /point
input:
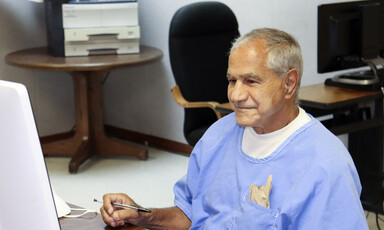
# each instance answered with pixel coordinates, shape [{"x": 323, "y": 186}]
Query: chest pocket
[{"x": 254, "y": 216}]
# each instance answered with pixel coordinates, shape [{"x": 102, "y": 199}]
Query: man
[{"x": 269, "y": 165}]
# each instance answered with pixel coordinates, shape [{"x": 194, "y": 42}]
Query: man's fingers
[
  {"x": 108, "y": 199},
  {"x": 127, "y": 215},
  {"x": 109, "y": 220},
  {"x": 115, "y": 216},
  {"x": 106, "y": 217}
]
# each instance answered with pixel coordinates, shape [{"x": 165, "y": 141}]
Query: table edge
[{"x": 79, "y": 67}]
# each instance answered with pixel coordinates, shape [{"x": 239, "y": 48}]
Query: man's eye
[
  {"x": 231, "y": 81},
  {"x": 249, "y": 81}
]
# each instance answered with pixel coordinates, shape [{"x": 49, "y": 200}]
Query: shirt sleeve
[{"x": 186, "y": 188}]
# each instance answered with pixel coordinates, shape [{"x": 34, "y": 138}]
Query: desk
[
  {"x": 343, "y": 104},
  {"x": 95, "y": 223},
  {"x": 351, "y": 114},
  {"x": 87, "y": 72}
]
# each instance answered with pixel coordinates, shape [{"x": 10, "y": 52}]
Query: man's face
[{"x": 255, "y": 92}]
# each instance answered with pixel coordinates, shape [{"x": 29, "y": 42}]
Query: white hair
[{"x": 284, "y": 52}]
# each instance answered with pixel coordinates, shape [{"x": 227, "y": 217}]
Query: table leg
[
  {"x": 367, "y": 150},
  {"x": 89, "y": 138},
  {"x": 101, "y": 144},
  {"x": 69, "y": 146}
]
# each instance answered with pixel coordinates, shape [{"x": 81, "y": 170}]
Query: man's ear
[{"x": 291, "y": 81}]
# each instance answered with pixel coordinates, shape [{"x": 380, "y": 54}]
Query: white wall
[{"x": 139, "y": 98}]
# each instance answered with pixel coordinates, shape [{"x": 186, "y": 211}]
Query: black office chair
[{"x": 200, "y": 38}]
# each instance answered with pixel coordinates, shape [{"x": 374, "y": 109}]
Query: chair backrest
[{"x": 200, "y": 38}]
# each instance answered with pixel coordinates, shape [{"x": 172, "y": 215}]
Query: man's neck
[{"x": 280, "y": 121}]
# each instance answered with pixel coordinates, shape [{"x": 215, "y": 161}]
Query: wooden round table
[{"x": 87, "y": 72}]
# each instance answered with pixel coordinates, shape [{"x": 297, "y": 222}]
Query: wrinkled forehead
[{"x": 247, "y": 57}]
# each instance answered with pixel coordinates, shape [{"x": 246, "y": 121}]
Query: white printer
[{"x": 91, "y": 27}]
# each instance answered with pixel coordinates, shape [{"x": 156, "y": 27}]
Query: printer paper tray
[
  {"x": 126, "y": 46},
  {"x": 131, "y": 32}
]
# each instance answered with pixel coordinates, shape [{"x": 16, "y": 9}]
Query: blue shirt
[{"x": 315, "y": 183}]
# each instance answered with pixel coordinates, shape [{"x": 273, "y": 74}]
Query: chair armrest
[{"x": 180, "y": 100}]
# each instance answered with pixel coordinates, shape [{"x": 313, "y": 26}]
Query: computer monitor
[
  {"x": 351, "y": 35},
  {"x": 26, "y": 196}
]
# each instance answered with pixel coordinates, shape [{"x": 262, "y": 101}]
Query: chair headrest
[{"x": 202, "y": 18}]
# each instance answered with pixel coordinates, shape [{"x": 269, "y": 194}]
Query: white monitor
[{"x": 26, "y": 196}]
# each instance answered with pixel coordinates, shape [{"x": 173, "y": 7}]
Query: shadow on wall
[
  {"x": 23, "y": 25},
  {"x": 149, "y": 93}
]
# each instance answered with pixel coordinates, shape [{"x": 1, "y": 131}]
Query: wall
[{"x": 139, "y": 98}]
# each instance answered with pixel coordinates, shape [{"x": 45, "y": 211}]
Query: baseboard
[
  {"x": 144, "y": 139},
  {"x": 56, "y": 137},
  {"x": 149, "y": 140}
]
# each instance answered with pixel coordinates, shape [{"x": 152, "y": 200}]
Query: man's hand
[
  {"x": 115, "y": 216},
  {"x": 167, "y": 218}
]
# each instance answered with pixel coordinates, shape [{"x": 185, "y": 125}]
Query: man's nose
[{"x": 239, "y": 92}]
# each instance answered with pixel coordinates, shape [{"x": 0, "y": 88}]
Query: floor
[{"x": 148, "y": 182}]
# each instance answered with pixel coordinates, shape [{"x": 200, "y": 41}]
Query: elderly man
[{"x": 268, "y": 165}]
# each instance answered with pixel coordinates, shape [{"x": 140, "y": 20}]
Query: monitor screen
[{"x": 349, "y": 33}]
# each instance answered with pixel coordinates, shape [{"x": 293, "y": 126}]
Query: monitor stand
[{"x": 368, "y": 80}]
